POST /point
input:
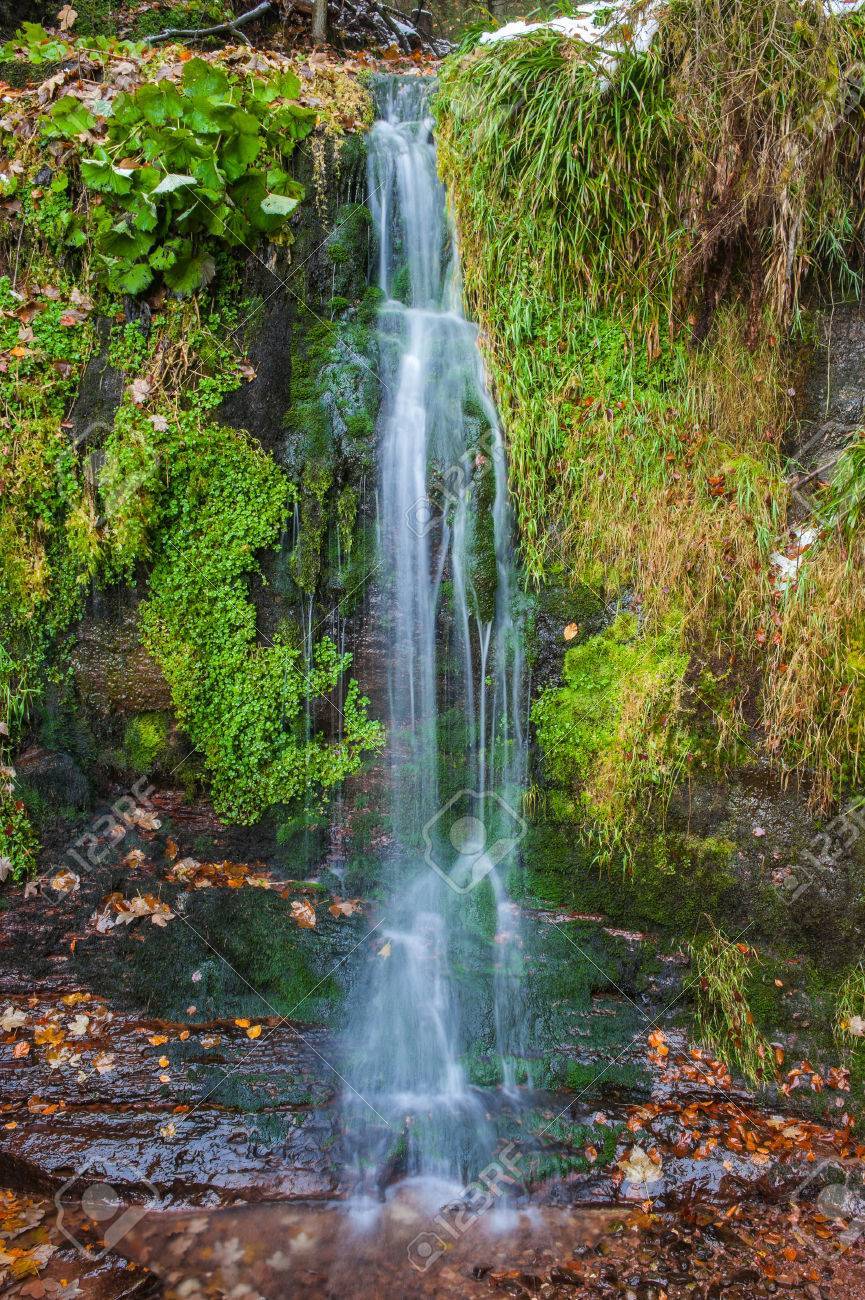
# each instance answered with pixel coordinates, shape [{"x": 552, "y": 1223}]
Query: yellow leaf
[
  {"x": 156, "y": 1040},
  {"x": 254, "y": 1031}
]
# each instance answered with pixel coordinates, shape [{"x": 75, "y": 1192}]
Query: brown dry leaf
[
  {"x": 171, "y": 849},
  {"x": 65, "y": 882},
  {"x": 345, "y": 907},
  {"x": 303, "y": 913},
  {"x": 20, "y": 1049},
  {"x": 66, "y": 18},
  {"x": 572, "y": 630}
]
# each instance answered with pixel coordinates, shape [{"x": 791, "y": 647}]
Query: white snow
[{"x": 641, "y": 20}]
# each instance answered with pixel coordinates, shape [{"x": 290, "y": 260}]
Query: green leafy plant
[
  {"x": 33, "y": 44},
  {"x": 184, "y": 168},
  {"x": 18, "y": 840}
]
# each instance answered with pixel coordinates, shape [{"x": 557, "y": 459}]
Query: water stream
[{"x": 452, "y": 642}]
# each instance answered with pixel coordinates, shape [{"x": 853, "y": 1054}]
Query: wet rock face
[
  {"x": 186, "y": 1060},
  {"x": 55, "y": 777},
  {"x": 833, "y": 398},
  {"x": 113, "y": 671},
  {"x": 99, "y": 395},
  {"x": 260, "y": 405}
]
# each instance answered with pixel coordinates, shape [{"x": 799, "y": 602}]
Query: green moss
[
  {"x": 251, "y": 957},
  {"x": 241, "y": 703},
  {"x": 145, "y": 740},
  {"x": 482, "y": 554},
  {"x": 672, "y": 879},
  {"x": 347, "y": 247},
  {"x": 604, "y": 735},
  {"x": 633, "y": 342}
]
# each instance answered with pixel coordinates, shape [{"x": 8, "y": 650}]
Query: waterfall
[{"x": 453, "y": 650}]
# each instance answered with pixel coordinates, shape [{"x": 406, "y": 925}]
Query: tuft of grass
[
  {"x": 723, "y": 1019},
  {"x": 850, "y": 1008}
]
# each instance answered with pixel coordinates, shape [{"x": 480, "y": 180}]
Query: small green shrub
[
  {"x": 18, "y": 840},
  {"x": 241, "y": 703}
]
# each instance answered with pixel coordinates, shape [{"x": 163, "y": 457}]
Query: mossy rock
[
  {"x": 248, "y": 954},
  {"x": 146, "y": 742}
]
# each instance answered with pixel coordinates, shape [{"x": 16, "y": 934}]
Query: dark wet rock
[
  {"x": 55, "y": 777},
  {"x": 113, "y": 671},
  {"x": 832, "y": 401},
  {"x": 260, "y": 404},
  {"x": 99, "y": 395},
  {"x": 187, "y": 1057}
]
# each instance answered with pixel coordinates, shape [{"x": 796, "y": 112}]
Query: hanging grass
[
  {"x": 723, "y": 1019},
  {"x": 641, "y": 251}
]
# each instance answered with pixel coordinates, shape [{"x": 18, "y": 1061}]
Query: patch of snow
[
  {"x": 599, "y": 23},
  {"x": 592, "y": 30}
]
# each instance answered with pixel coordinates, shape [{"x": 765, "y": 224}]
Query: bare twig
[{"x": 234, "y": 25}]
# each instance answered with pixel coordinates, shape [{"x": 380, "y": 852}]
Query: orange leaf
[{"x": 303, "y": 914}]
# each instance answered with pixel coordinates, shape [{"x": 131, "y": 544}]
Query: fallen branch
[{"x": 195, "y": 33}]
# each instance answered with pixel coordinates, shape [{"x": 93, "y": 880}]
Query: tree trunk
[{"x": 319, "y": 22}]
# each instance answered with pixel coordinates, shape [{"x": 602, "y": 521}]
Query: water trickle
[{"x": 444, "y": 981}]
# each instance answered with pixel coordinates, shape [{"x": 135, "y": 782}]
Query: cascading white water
[{"x": 454, "y": 665}]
